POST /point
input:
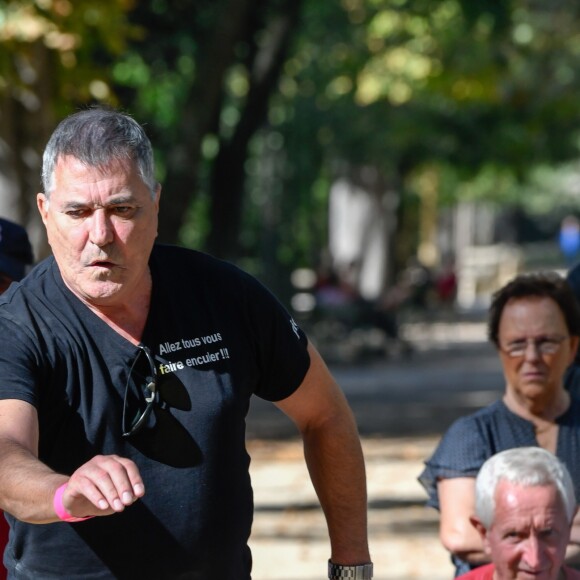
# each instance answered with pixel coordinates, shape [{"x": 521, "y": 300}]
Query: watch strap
[{"x": 354, "y": 572}]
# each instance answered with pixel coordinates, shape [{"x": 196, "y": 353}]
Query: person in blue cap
[{"x": 15, "y": 253}]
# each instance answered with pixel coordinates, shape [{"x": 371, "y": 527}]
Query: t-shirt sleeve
[
  {"x": 280, "y": 344},
  {"x": 19, "y": 363},
  {"x": 461, "y": 453}
]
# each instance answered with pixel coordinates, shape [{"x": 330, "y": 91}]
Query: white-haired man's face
[{"x": 529, "y": 533}]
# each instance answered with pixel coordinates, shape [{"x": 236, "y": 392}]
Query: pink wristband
[{"x": 61, "y": 510}]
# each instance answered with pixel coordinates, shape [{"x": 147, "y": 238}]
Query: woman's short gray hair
[
  {"x": 96, "y": 136},
  {"x": 526, "y": 466}
]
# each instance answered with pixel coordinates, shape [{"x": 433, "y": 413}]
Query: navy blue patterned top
[{"x": 472, "y": 439}]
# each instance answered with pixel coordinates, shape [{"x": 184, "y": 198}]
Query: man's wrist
[
  {"x": 362, "y": 571},
  {"x": 61, "y": 511}
]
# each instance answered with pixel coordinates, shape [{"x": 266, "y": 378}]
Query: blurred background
[
  {"x": 380, "y": 140},
  {"x": 382, "y": 165}
]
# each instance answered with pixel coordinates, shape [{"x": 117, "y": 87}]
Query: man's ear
[
  {"x": 42, "y": 204},
  {"x": 478, "y": 525}
]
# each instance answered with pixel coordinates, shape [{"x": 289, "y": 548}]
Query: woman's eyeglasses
[
  {"x": 543, "y": 345},
  {"x": 141, "y": 392}
]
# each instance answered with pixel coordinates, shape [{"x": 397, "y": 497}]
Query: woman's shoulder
[
  {"x": 464, "y": 446},
  {"x": 471, "y": 439},
  {"x": 482, "y": 417},
  {"x": 574, "y": 408}
]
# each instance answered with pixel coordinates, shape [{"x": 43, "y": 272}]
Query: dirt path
[{"x": 289, "y": 540}]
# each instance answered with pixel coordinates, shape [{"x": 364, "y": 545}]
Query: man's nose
[
  {"x": 533, "y": 554},
  {"x": 101, "y": 228}
]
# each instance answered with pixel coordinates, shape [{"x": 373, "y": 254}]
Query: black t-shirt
[{"x": 218, "y": 337}]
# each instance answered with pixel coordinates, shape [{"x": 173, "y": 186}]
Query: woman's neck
[{"x": 537, "y": 411}]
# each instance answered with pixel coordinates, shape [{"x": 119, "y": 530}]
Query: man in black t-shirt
[{"x": 127, "y": 370}]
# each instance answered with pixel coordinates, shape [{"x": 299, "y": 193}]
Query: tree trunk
[
  {"x": 200, "y": 116},
  {"x": 26, "y": 120},
  {"x": 228, "y": 172}
]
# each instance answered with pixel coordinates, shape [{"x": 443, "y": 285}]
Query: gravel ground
[{"x": 289, "y": 539}]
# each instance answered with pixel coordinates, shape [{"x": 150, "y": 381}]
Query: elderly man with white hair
[{"x": 524, "y": 507}]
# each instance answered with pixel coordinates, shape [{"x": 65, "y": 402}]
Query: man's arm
[
  {"x": 102, "y": 486},
  {"x": 334, "y": 458}
]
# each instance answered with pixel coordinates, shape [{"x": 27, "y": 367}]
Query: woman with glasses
[{"x": 534, "y": 322}]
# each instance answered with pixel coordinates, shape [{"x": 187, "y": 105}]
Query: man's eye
[
  {"x": 76, "y": 213},
  {"x": 123, "y": 210}
]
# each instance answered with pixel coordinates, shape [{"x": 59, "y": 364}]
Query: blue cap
[{"x": 15, "y": 249}]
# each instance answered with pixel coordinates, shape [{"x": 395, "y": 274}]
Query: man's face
[
  {"x": 101, "y": 225},
  {"x": 534, "y": 322},
  {"x": 529, "y": 533}
]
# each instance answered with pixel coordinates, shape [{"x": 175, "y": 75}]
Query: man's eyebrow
[
  {"x": 121, "y": 199},
  {"x": 117, "y": 200},
  {"x": 73, "y": 205}
]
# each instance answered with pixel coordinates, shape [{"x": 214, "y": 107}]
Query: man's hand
[{"x": 104, "y": 485}]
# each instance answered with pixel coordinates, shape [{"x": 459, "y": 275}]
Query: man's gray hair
[
  {"x": 97, "y": 136},
  {"x": 525, "y": 466}
]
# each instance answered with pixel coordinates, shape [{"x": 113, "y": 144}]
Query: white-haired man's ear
[{"x": 482, "y": 530}]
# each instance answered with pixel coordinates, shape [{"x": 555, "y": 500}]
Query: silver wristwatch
[{"x": 358, "y": 572}]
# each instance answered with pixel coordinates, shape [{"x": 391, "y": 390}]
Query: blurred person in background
[
  {"x": 15, "y": 257},
  {"x": 524, "y": 509},
  {"x": 534, "y": 322},
  {"x": 15, "y": 253},
  {"x": 446, "y": 283},
  {"x": 569, "y": 239}
]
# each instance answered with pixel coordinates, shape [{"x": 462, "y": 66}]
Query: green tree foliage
[
  {"x": 204, "y": 76},
  {"x": 53, "y": 58},
  {"x": 484, "y": 91},
  {"x": 459, "y": 83},
  {"x": 256, "y": 106}
]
